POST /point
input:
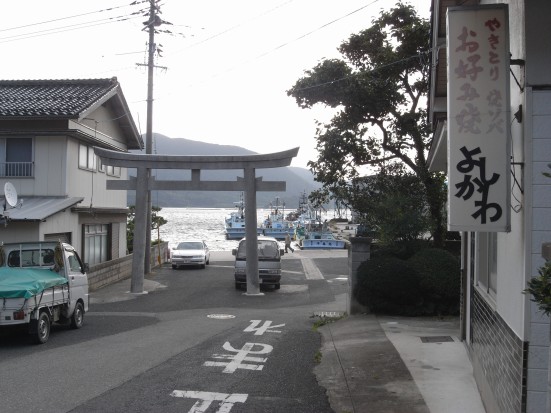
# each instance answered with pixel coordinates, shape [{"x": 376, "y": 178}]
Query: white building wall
[
  {"x": 91, "y": 184},
  {"x": 49, "y": 169},
  {"x": 63, "y": 222},
  {"x": 23, "y": 232}
]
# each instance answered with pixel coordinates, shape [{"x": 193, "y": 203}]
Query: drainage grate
[{"x": 436, "y": 339}]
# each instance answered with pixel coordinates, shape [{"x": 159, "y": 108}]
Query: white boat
[
  {"x": 311, "y": 233},
  {"x": 235, "y": 222},
  {"x": 321, "y": 241},
  {"x": 275, "y": 225}
]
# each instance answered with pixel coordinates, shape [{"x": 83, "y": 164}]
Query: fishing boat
[
  {"x": 235, "y": 222},
  {"x": 275, "y": 225},
  {"x": 311, "y": 233},
  {"x": 321, "y": 240}
]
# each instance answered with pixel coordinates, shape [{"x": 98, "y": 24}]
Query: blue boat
[
  {"x": 275, "y": 225},
  {"x": 311, "y": 233},
  {"x": 235, "y": 222}
]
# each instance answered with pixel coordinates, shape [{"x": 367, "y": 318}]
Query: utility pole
[{"x": 145, "y": 204}]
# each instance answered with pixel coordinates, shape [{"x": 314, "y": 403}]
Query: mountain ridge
[{"x": 298, "y": 180}]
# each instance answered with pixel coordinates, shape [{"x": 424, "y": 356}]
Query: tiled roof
[{"x": 51, "y": 98}]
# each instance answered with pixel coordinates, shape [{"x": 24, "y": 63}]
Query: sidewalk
[{"x": 398, "y": 365}]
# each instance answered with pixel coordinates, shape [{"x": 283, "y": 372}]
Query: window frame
[
  {"x": 486, "y": 264},
  {"x": 86, "y": 156}
]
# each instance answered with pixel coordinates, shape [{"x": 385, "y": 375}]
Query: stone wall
[{"x": 110, "y": 272}]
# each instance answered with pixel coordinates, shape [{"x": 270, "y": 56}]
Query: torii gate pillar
[{"x": 143, "y": 183}]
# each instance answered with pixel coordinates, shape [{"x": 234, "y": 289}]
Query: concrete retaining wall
[
  {"x": 110, "y": 272},
  {"x": 358, "y": 252}
]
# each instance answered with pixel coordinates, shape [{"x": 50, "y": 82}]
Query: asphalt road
[{"x": 194, "y": 343}]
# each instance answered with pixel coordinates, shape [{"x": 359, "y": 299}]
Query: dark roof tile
[{"x": 51, "y": 98}]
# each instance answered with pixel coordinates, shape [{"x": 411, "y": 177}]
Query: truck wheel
[
  {"x": 41, "y": 328},
  {"x": 277, "y": 286},
  {"x": 77, "y": 319}
]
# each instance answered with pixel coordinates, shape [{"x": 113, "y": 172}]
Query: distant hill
[{"x": 298, "y": 180}]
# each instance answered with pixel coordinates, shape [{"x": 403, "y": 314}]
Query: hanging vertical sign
[{"x": 478, "y": 118}]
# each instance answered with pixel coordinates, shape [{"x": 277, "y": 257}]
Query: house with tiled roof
[{"x": 48, "y": 129}]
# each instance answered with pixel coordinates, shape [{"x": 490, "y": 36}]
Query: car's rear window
[
  {"x": 189, "y": 246},
  {"x": 267, "y": 249},
  {"x": 31, "y": 258}
]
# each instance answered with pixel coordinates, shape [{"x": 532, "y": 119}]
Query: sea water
[{"x": 201, "y": 223}]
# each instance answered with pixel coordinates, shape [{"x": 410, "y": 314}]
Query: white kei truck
[{"x": 42, "y": 283}]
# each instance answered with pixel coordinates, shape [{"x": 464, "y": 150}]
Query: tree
[
  {"x": 394, "y": 205},
  {"x": 156, "y": 222},
  {"x": 379, "y": 90}
]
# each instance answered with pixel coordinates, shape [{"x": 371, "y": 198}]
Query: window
[
  {"x": 16, "y": 157},
  {"x": 486, "y": 274},
  {"x": 113, "y": 170},
  {"x": 96, "y": 243},
  {"x": 86, "y": 157},
  {"x": 74, "y": 262},
  {"x": 109, "y": 170}
]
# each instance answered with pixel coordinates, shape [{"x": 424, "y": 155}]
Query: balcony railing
[{"x": 15, "y": 169}]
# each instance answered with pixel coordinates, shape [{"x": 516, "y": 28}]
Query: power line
[
  {"x": 71, "y": 27},
  {"x": 63, "y": 29},
  {"x": 260, "y": 56},
  {"x": 61, "y": 18}
]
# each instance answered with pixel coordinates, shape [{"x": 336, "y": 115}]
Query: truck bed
[{"x": 27, "y": 282}]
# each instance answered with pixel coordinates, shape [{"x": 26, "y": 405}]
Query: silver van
[{"x": 269, "y": 262}]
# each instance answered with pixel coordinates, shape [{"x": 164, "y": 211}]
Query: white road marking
[
  {"x": 266, "y": 327},
  {"x": 206, "y": 398},
  {"x": 236, "y": 361},
  {"x": 311, "y": 271}
]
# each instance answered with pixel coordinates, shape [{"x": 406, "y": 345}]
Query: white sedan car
[{"x": 190, "y": 252}]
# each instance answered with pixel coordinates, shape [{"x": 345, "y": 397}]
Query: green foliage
[
  {"x": 388, "y": 285},
  {"x": 156, "y": 222},
  {"x": 403, "y": 250},
  {"x": 540, "y": 288},
  {"x": 426, "y": 282},
  {"x": 439, "y": 279},
  {"x": 379, "y": 88},
  {"x": 392, "y": 205}
]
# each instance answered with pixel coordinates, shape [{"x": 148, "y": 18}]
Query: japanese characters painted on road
[
  {"x": 241, "y": 359},
  {"x": 478, "y": 122},
  {"x": 205, "y": 399},
  {"x": 266, "y": 327},
  {"x": 236, "y": 361}
]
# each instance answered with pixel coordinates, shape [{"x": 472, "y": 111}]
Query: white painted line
[
  {"x": 206, "y": 398},
  {"x": 311, "y": 271},
  {"x": 221, "y": 316},
  {"x": 266, "y": 327},
  {"x": 236, "y": 361}
]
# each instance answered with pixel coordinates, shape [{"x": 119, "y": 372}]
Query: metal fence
[{"x": 14, "y": 169}]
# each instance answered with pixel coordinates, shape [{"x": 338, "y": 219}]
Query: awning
[{"x": 38, "y": 208}]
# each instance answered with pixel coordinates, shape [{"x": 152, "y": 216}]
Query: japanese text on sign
[{"x": 478, "y": 126}]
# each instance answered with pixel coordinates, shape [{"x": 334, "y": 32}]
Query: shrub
[
  {"x": 388, "y": 285},
  {"x": 439, "y": 279},
  {"x": 403, "y": 250}
]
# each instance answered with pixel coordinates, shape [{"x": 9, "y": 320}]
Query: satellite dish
[{"x": 11, "y": 194}]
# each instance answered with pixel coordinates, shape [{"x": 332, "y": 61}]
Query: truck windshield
[{"x": 266, "y": 250}]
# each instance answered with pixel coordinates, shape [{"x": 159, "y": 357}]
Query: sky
[{"x": 224, "y": 69}]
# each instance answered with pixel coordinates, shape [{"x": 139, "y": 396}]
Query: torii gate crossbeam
[{"x": 249, "y": 184}]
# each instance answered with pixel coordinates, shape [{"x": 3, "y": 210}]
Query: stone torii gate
[{"x": 249, "y": 184}]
